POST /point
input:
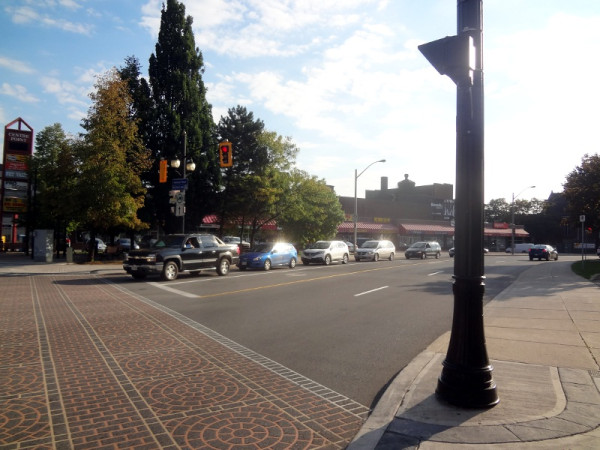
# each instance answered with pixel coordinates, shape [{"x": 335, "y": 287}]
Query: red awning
[
  {"x": 416, "y": 228},
  {"x": 499, "y": 232},
  {"x": 213, "y": 219},
  {"x": 347, "y": 227}
]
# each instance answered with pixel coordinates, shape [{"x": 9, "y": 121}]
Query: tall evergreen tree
[{"x": 183, "y": 120}]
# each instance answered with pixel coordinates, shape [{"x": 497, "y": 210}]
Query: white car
[
  {"x": 326, "y": 252},
  {"x": 375, "y": 250}
]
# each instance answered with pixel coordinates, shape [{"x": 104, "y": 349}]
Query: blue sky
[{"x": 343, "y": 78}]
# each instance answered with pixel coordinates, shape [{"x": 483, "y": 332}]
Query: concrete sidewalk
[{"x": 543, "y": 339}]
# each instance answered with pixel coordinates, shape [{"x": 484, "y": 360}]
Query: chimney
[{"x": 384, "y": 183}]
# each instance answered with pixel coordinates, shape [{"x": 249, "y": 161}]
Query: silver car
[
  {"x": 326, "y": 252},
  {"x": 375, "y": 250}
]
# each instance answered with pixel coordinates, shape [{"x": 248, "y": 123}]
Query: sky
[{"x": 343, "y": 79}]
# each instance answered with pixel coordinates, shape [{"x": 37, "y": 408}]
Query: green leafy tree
[
  {"x": 183, "y": 117},
  {"x": 582, "y": 192},
  {"x": 54, "y": 179},
  {"x": 497, "y": 210},
  {"x": 256, "y": 185},
  {"x": 112, "y": 155},
  {"x": 312, "y": 210}
]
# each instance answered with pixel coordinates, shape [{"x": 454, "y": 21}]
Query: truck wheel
[
  {"x": 423, "y": 255},
  {"x": 223, "y": 267},
  {"x": 170, "y": 271}
]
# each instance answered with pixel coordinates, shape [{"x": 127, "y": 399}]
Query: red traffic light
[{"x": 225, "y": 154}]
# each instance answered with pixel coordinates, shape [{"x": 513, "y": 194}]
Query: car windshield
[
  {"x": 419, "y": 245},
  {"x": 370, "y": 244},
  {"x": 321, "y": 245},
  {"x": 262, "y": 248},
  {"x": 169, "y": 241}
]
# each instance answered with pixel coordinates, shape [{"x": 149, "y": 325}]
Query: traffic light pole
[{"x": 466, "y": 379}]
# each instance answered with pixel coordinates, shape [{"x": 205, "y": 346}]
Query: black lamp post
[{"x": 466, "y": 379}]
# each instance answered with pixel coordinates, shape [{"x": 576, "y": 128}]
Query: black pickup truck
[{"x": 177, "y": 253}]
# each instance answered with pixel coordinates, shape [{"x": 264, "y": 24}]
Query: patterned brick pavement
[{"x": 84, "y": 364}]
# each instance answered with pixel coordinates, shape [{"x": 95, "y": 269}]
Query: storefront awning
[
  {"x": 348, "y": 227},
  {"x": 213, "y": 219},
  {"x": 504, "y": 232},
  {"x": 417, "y": 228}
]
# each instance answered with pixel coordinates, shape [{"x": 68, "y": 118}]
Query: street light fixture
[
  {"x": 512, "y": 219},
  {"x": 355, "y": 198},
  {"x": 190, "y": 166}
]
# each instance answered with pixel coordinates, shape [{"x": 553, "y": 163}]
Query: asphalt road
[{"x": 349, "y": 327}]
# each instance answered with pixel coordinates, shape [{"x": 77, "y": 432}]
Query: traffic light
[
  {"x": 453, "y": 56},
  {"x": 162, "y": 171},
  {"x": 225, "y": 154}
]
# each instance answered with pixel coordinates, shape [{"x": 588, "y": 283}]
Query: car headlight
[
  {"x": 257, "y": 258},
  {"x": 151, "y": 258}
]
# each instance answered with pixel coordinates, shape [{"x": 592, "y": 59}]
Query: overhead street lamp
[
  {"x": 355, "y": 198},
  {"x": 190, "y": 166},
  {"x": 512, "y": 218}
]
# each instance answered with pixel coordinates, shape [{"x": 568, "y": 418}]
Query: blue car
[{"x": 265, "y": 256}]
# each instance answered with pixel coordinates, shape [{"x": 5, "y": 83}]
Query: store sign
[
  {"x": 381, "y": 220},
  {"x": 14, "y": 204}
]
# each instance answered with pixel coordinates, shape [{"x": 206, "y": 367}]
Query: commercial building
[{"x": 409, "y": 213}]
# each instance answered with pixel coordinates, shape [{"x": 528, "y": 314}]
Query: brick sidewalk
[{"x": 84, "y": 364}]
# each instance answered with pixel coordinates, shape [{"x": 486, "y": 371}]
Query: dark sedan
[{"x": 543, "y": 251}]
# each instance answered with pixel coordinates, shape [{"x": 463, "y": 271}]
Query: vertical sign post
[{"x": 14, "y": 192}]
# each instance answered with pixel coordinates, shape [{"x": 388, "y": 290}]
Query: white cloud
[
  {"x": 25, "y": 15},
  {"x": 65, "y": 92},
  {"x": 16, "y": 65},
  {"x": 19, "y": 92}
]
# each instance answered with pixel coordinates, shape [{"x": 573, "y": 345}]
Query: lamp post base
[
  {"x": 467, "y": 387},
  {"x": 466, "y": 378}
]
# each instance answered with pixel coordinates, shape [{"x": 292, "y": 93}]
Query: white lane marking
[
  {"x": 174, "y": 291},
  {"x": 372, "y": 290},
  {"x": 434, "y": 273}
]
